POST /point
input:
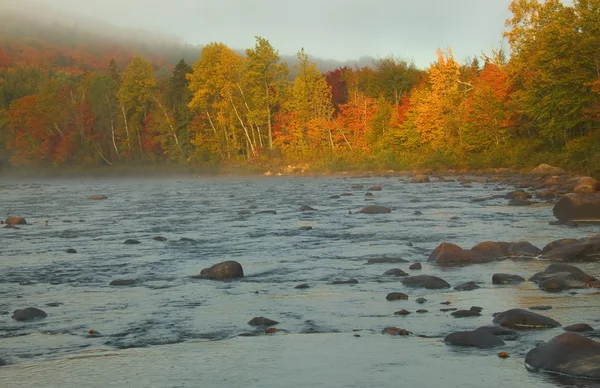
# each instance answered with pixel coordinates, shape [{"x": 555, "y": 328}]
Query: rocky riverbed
[{"x": 439, "y": 276}]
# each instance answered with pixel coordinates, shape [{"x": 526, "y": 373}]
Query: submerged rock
[
  {"x": 159, "y": 238},
  {"x": 131, "y": 241},
  {"x": 349, "y": 281},
  {"x": 395, "y": 272},
  {"x": 569, "y": 353},
  {"x": 520, "y": 318},
  {"x": 490, "y": 250},
  {"x": 306, "y": 208},
  {"x": 262, "y": 321},
  {"x": 425, "y": 281},
  {"x": 503, "y": 278},
  {"x": 71, "y": 250},
  {"x": 374, "y": 188},
  {"x": 375, "y": 209},
  {"x": 222, "y": 271},
  {"x": 479, "y": 338},
  {"x": 123, "y": 282},
  {"x": 97, "y": 197},
  {"x": 559, "y": 284},
  {"x": 28, "y": 314}
]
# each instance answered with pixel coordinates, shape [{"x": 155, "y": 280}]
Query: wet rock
[
  {"x": 349, "y": 281},
  {"x": 306, "y": 208},
  {"x": 577, "y": 207},
  {"x": 97, "y": 197},
  {"x": 357, "y": 186},
  {"x": 368, "y": 194},
  {"x": 468, "y": 286},
  {"x": 518, "y": 195},
  {"x": 396, "y": 296},
  {"x": 123, "y": 282},
  {"x": 418, "y": 213},
  {"x": 479, "y": 338},
  {"x": 395, "y": 331},
  {"x": 131, "y": 241},
  {"x": 557, "y": 244},
  {"x": 2, "y": 362},
  {"x": 578, "y": 327},
  {"x": 504, "y": 278},
  {"x": 346, "y": 195},
  {"x": 302, "y": 286},
  {"x": 489, "y": 250},
  {"x": 28, "y": 314},
  {"x": 558, "y": 284},
  {"x": 305, "y": 227},
  {"x": 422, "y": 311},
  {"x": 472, "y": 312},
  {"x": 159, "y": 238},
  {"x": 334, "y": 197},
  {"x": 402, "y": 312},
  {"x": 540, "y": 308},
  {"x": 375, "y": 209},
  {"x": 448, "y": 309},
  {"x": 187, "y": 239},
  {"x": 425, "y": 281},
  {"x": 54, "y": 304},
  {"x": 71, "y": 250},
  {"x": 562, "y": 271},
  {"x": 546, "y": 169},
  {"x": 395, "y": 272},
  {"x": 519, "y": 318},
  {"x": 569, "y": 353},
  {"x": 419, "y": 179},
  {"x": 584, "y": 250},
  {"x": 222, "y": 271},
  {"x": 523, "y": 249},
  {"x": 15, "y": 221},
  {"x": 374, "y": 188},
  {"x": 266, "y": 212},
  {"x": 244, "y": 212},
  {"x": 415, "y": 266},
  {"x": 382, "y": 260},
  {"x": 447, "y": 253},
  {"x": 262, "y": 321},
  {"x": 420, "y": 300}
]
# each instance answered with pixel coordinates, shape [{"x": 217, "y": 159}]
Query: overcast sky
[{"x": 336, "y": 29}]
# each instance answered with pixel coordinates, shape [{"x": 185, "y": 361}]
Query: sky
[{"x": 329, "y": 29}]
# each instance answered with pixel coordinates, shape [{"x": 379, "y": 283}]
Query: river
[{"x": 172, "y": 330}]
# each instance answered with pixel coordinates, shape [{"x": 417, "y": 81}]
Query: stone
[
  {"x": 519, "y": 318},
  {"x": 262, "y": 321},
  {"x": 584, "y": 250},
  {"x": 396, "y": 296},
  {"x": 447, "y": 253},
  {"x": 97, "y": 197},
  {"x": 578, "y": 327},
  {"x": 468, "y": 286},
  {"x": 395, "y": 272},
  {"x": 503, "y": 278},
  {"x": 402, "y": 312},
  {"x": 557, "y": 244},
  {"x": 568, "y": 354},
  {"x": 131, "y": 241},
  {"x": 479, "y": 338},
  {"x": 546, "y": 169},
  {"x": 415, "y": 266},
  {"x": 222, "y": 271},
  {"x": 123, "y": 282},
  {"x": 15, "y": 221},
  {"x": 374, "y": 188},
  {"x": 71, "y": 250},
  {"x": 422, "y": 311},
  {"x": 473, "y": 312},
  {"x": 306, "y": 208},
  {"x": 425, "y": 281},
  {"x": 562, "y": 271},
  {"x": 302, "y": 286},
  {"x": 383, "y": 260},
  {"x": 420, "y": 300},
  {"x": 28, "y": 314},
  {"x": 523, "y": 249},
  {"x": 159, "y": 238},
  {"x": 349, "y": 281},
  {"x": 375, "y": 209},
  {"x": 395, "y": 331},
  {"x": 577, "y": 207}
]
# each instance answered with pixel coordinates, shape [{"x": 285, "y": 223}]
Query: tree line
[{"x": 541, "y": 103}]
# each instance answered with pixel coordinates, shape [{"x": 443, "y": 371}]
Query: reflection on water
[{"x": 172, "y": 330}]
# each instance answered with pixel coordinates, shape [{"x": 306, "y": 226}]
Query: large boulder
[
  {"x": 562, "y": 271},
  {"x": 546, "y": 169},
  {"x": 578, "y": 207},
  {"x": 489, "y": 250},
  {"x": 519, "y": 318},
  {"x": 557, "y": 244},
  {"x": 15, "y": 221},
  {"x": 375, "y": 209},
  {"x": 222, "y": 271},
  {"x": 587, "y": 249},
  {"x": 569, "y": 354},
  {"x": 28, "y": 314},
  {"x": 479, "y": 338},
  {"x": 523, "y": 249},
  {"x": 559, "y": 284},
  {"x": 425, "y": 281},
  {"x": 447, "y": 253}
]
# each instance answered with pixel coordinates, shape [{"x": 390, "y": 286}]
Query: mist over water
[{"x": 172, "y": 330}]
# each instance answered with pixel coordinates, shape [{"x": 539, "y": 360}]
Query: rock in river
[
  {"x": 587, "y": 249},
  {"x": 395, "y": 272},
  {"x": 425, "y": 281},
  {"x": 122, "y": 282},
  {"x": 222, "y": 271},
  {"x": 415, "y": 266},
  {"x": 480, "y": 338},
  {"x": 519, "y": 318},
  {"x": 447, "y": 253},
  {"x": 569, "y": 353},
  {"x": 375, "y": 209},
  {"x": 578, "y": 207},
  {"x": 468, "y": 286},
  {"x": 578, "y": 327},
  {"x": 97, "y": 197},
  {"x": 15, "y": 221},
  {"x": 28, "y": 314},
  {"x": 396, "y": 296},
  {"x": 262, "y": 321},
  {"x": 503, "y": 278},
  {"x": 131, "y": 241}
]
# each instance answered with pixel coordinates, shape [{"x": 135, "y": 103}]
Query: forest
[{"x": 69, "y": 100}]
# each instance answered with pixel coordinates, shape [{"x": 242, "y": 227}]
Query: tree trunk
[
  {"x": 269, "y": 127},
  {"x": 126, "y": 126},
  {"x": 243, "y": 126},
  {"x": 112, "y": 127},
  {"x": 168, "y": 121}
]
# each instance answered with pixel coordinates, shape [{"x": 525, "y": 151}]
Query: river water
[{"x": 171, "y": 330}]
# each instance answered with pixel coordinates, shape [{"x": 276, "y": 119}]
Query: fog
[{"x": 334, "y": 29}]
